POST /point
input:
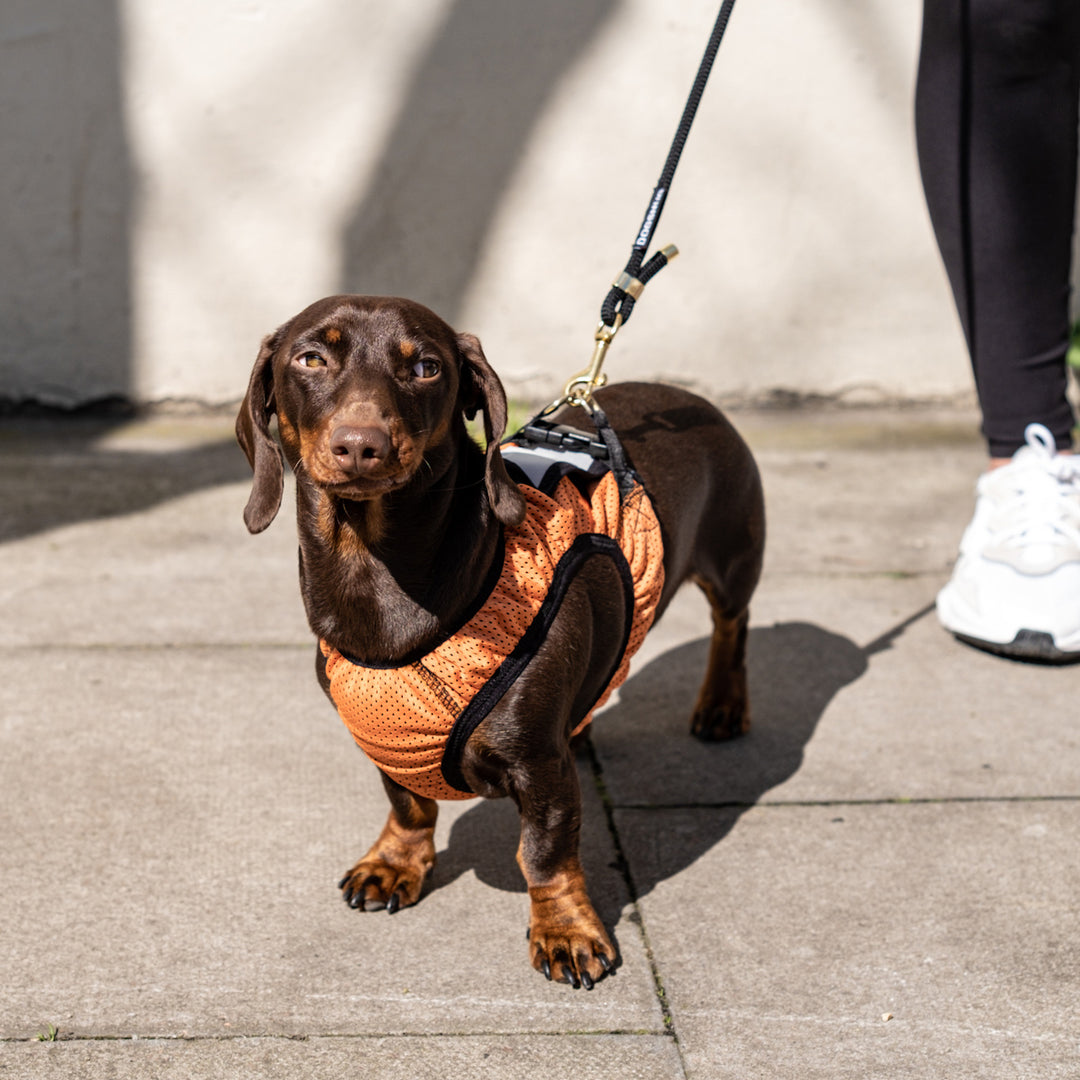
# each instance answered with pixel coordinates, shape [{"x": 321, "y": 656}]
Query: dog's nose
[{"x": 359, "y": 450}]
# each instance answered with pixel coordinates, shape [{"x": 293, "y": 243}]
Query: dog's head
[{"x": 370, "y": 395}]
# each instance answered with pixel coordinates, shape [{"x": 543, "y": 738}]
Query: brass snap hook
[{"x": 579, "y": 390}]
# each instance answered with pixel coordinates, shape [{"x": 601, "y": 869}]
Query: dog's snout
[{"x": 359, "y": 450}]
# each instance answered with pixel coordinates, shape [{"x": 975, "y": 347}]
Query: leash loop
[
  {"x": 627, "y": 288},
  {"x": 620, "y": 300}
]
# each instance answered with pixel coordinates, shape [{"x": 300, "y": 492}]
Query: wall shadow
[
  {"x": 66, "y": 192},
  {"x": 651, "y": 763},
  {"x": 56, "y": 475},
  {"x": 476, "y": 97},
  {"x": 66, "y": 212}
]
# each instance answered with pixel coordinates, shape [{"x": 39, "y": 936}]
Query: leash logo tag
[{"x": 647, "y": 226}]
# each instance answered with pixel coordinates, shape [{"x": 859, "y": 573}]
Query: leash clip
[{"x": 579, "y": 390}]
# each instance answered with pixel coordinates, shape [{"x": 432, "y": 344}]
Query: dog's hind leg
[{"x": 723, "y": 707}]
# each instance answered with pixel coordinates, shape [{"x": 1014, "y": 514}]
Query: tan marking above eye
[
  {"x": 407, "y": 348},
  {"x": 333, "y": 335}
]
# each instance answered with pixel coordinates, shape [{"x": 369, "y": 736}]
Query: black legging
[{"x": 996, "y": 127}]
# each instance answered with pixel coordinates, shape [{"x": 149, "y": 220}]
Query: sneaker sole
[{"x": 1033, "y": 646}]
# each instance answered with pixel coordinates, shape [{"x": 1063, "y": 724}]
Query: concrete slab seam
[
  {"x": 342, "y": 1036},
  {"x": 804, "y": 804},
  {"x": 637, "y": 917}
]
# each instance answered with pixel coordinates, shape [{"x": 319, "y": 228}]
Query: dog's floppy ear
[
  {"x": 253, "y": 435},
  {"x": 481, "y": 389}
]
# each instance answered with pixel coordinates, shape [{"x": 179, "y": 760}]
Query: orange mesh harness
[{"x": 413, "y": 721}]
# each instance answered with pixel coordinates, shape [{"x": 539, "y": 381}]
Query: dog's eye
[
  {"x": 311, "y": 360},
  {"x": 425, "y": 369}
]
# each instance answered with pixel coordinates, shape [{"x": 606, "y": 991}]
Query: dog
[{"x": 404, "y": 524}]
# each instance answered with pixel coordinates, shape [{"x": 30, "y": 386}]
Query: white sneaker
[{"x": 1015, "y": 589}]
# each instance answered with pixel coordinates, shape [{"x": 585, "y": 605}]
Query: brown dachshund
[{"x": 403, "y": 520}]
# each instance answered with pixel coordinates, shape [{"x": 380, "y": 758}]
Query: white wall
[{"x": 186, "y": 176}]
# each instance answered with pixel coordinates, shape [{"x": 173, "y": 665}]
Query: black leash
[
  {"x": 627, "y": 287},
  {"x": 619, "y": 303}
]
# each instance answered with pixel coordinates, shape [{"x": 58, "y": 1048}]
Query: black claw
[
  {"x": 344, "y": 881},
  {"x": 528, "y": 932},
  {"x": 356, "y": 900},
  {"x": 571, "y": 977},
  {"x": 393, "y": 903},
  {"x": 586, "y": 980},
  {"x": 605, "y": 963},
  {"x": 546, "y": 967}
]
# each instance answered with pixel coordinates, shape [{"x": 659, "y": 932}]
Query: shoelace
[{"x": 1045, "y": 502}]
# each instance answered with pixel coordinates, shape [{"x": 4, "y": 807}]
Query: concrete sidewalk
[{"x": 881, "y": 880}]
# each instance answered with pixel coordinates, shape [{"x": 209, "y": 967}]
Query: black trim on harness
[
  {"x": 625, "y": 476},
  {"x": 583, "y": 548}
]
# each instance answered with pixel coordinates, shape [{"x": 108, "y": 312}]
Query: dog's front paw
[
  {"x": 388, "y": 878},
  {"x": 568, "y": 942}
]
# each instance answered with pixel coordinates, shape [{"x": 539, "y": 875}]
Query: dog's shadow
[{"x": 648, "y": 761}]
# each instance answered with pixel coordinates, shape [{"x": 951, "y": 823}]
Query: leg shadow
[
  {"x": 645, "y": 759},
  {"x": 795, "y": 671}
]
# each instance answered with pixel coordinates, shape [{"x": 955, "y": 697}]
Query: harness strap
[{"x": 625, "y": 476}]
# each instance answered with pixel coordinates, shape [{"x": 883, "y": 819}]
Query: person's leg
[{"x": 996, "y": 123}]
